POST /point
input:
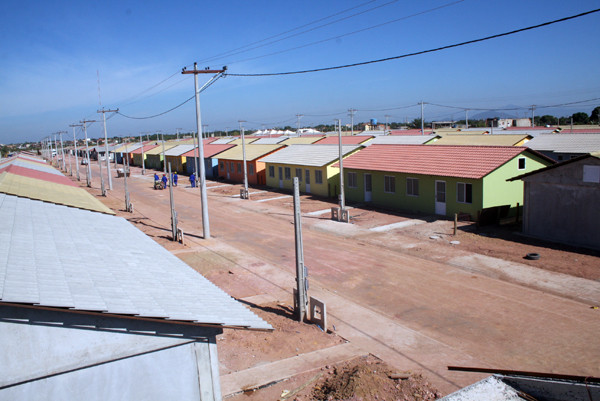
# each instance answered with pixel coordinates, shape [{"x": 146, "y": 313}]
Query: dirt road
[{"x": 408, "y": 309}]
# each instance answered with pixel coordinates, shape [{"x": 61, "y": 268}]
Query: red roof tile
[
  {"x": 346, "y": 140},
  {"x": 40, "y": 175},
  {"x": 448, "y": 161},
  {"x": 209, "y": 150},
  {"x": 146, "y": 148},
  {"x": 410, "y": 132}
]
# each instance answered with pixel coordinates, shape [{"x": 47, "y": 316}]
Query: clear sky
[{"x": 52, "y": 53}]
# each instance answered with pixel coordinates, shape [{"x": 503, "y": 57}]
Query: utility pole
[
  {"x": 298, "y": 116},
  {"x": 75, "y": 144},
  {"x": 467, "y": 118},
  {"x": 110, "y": 186},
  {"x": 352, "y": 111},
  {"x": 173, "y": 212},
  {"x": 244, "y": 192},
  {"x": 386, "y": 124},
  {"x": 143, "y": 160},
  {"x": 102, "y": 188},
  {"x": 196, "y": 155},
  {"x": 163, "y": 152},
  {"x": 205, "y": 130},
  {"x": 301, "y": 300},
  {"x": 177, "y": 132},
  {"x": 422, "y": 121},
  {"x": 128, "y": 205},
  {"x": 202, "y": 174},
  {"x": 87, "y": 151},
  {"x": 62, "y": 150},
  {"x": 342, "y": 214},
  {"x": 56, "y": 147},
  {"x": 533, "y": 115}
]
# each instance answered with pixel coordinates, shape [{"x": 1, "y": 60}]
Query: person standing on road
[
  {"x": 193, "y": 180},
  {"x": 175, "y": 178},
  {"x": 156, "y": 181},
  {"x": 164, "y": 180}
]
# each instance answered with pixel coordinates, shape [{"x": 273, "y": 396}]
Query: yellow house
[{"x": 312, "y": 164}]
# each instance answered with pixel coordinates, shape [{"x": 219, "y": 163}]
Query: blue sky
[{"x": 53, "y": 52}]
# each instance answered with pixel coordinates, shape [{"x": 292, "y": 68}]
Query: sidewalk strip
[
  {"x": 270, "y": 199},
  {"x": 249, "y": 193},
  {"x": 406, "y": 223},
  {"x": 219, "y": 186},
  {"x": 257, "y": 376}
]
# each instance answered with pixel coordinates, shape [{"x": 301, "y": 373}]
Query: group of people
[{"x": 161, "y": 183}]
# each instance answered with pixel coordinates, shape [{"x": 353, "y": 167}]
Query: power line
[
  {"x": 420, "y": 52},
  {"x": 159, "y": 114},
  {"x": 350, "y": 33},
  {"x": 236, "y": 50}
]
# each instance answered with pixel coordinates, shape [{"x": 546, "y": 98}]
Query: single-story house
[
  {"x": 124, "y": 150},
  {"x": 230, "y": 163},
  {"x": 154, "y": 157},
  {"x": 346, "y": 140},
  {"x": 441, "y": 180},
  {"x": 561, "y": 202},
  {"x": 313, "y": 165},
  {"x": 401, "y": 140},
  {"x": 211, "y": 161},
  {"x": 567, "y": 146},
  {"x": 302, "y": 140},
  {"x": 137, "y": 154},
  {"x": 87, "y": 314},
  {"x": 176, "y": 158}
]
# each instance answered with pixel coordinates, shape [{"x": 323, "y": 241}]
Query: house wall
[
  {"x": 560, "y": 207},
  {"x": 497, "y": 191},
  {"x": 154, "y": 161},
  {"x": 210, "y": 166},
  {"x": 257, "y": 178},
  {"x": 177, "y": 163},
  {"x": 57, "y": 355},
  {"x": 330, "y": 178}
]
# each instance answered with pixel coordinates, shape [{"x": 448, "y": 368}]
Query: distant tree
[
  {"x": 595, "y": 116},
  {"x": 416, "y": 123},
  {"x": 546, "y": 120},
  {"x": 4, "y": 151},
  {"x": 580, "y": 118}
]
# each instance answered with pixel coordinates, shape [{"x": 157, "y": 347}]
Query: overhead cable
[{"x": 420, "y": 52}]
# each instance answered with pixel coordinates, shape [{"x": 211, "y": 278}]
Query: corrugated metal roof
[
  {"x": 400, "y": 140},
  {"x": 480, "y": 140},
  {"x": 447, "y": 161},
  {"x": 178, "y": 150},
  {"x": 301, "y": 140},
  {"x": 57, "y": 256},
  {"x": 308, "y": 155},
  {"x": 566, "y": 143},
  {"x": 129, "y": 147},
  {"x": 158, "y": 150},
  {"x": 269, "y": 141},
  {"x": 346, "y": 140},
  {"x": 146, "y": 149},
  {"x": 210, "y": 150},
  {"x": 222, "y": 141},
  {"x": 253, "y": 152},
  {"x": 30, "y": 164},
  {"x": 426, "y": 131},
  {"x": 248, "y": 140}
]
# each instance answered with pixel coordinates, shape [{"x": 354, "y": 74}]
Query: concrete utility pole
[
  {"x": 110, "y": 186},
  {"x": 351, "y": 114},
  {"x": 386, "y": 124},
  {"x": 173, "y": 212},
  {"x": 301, "y": 300},
  {"x": 422, "y": 120},
  {"x": 62, "y": 150},
  {"x": 143, "y": 160},
  {"x": 163, "y": 152},
  {"x": 298, "y": 116},
  {"x": 87, "y": 151},
  {"x": 467, "y": 118},
  {"x": 342, "y": 213},
  {"x": 196, "y": 155},
  {"x": 533, "y": 115},
  {"x": 102, "y": 188},
  {"x": 244, "y": 192},
  {"x": 56, "y": 147},
  {"x": 128, "y": 205},
  {"x": 202, "y": 175},
  {"x": 75, "y": 144},
  {"x": 177, "y": 132}
]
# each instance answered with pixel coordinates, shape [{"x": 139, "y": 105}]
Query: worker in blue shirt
[
  {"x": 156, "y": 181},
  {"x": 193, "y": 180},
  {"x": 164, "y": 180},
  {"x": 175, "y": 178}
]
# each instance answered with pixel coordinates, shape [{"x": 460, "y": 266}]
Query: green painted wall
[{"x": 329, "y": 174}]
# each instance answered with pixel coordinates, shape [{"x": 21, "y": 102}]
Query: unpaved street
[{"x": 410, "y": 308}]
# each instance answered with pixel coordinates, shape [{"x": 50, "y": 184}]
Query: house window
[
  {"x": 412, "y": 186},
  {"x": 521, "y": 163},
  {"x": 299, "y": 174},
  {"x": 389, "y": 184},
  {"x": 272, "y": 171},
  {"x": 251, "y": 169},
  {"x": 318, "y": 177},
  {"x": 464, "y": 193},
  {"x": 288, "y": 173},
  {"x": 239, "y": 166},
  {"x": 352, "y": 180}
]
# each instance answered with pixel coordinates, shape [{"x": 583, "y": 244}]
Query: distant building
[{"x": 507, "y": 122}]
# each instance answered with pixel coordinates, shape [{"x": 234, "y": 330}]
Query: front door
[
  {"x": 307, "y": 180},
  {"x": 368, "y": 187},
  {"x": 280, "y": 169},
  {"x": 440, "y": 197}
]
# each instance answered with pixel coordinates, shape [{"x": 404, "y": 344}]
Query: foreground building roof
[
  {"x": 309, "y": 155},
  {"x": 566, "y": 143},
  {"x": 481, "y": 140}
]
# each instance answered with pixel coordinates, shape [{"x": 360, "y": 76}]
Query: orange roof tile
[
  {"x": 209, "y": 150},
  {"x": 346, "y": 140},
  {"x": 448, "y": 161}
]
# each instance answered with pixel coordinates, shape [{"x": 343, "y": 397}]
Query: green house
[
  {"x": 312, "y": 164},
  {"x": 441, "y": 180}
]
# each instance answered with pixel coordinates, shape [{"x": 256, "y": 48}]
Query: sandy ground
[{"x": 401, "y": 278}]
